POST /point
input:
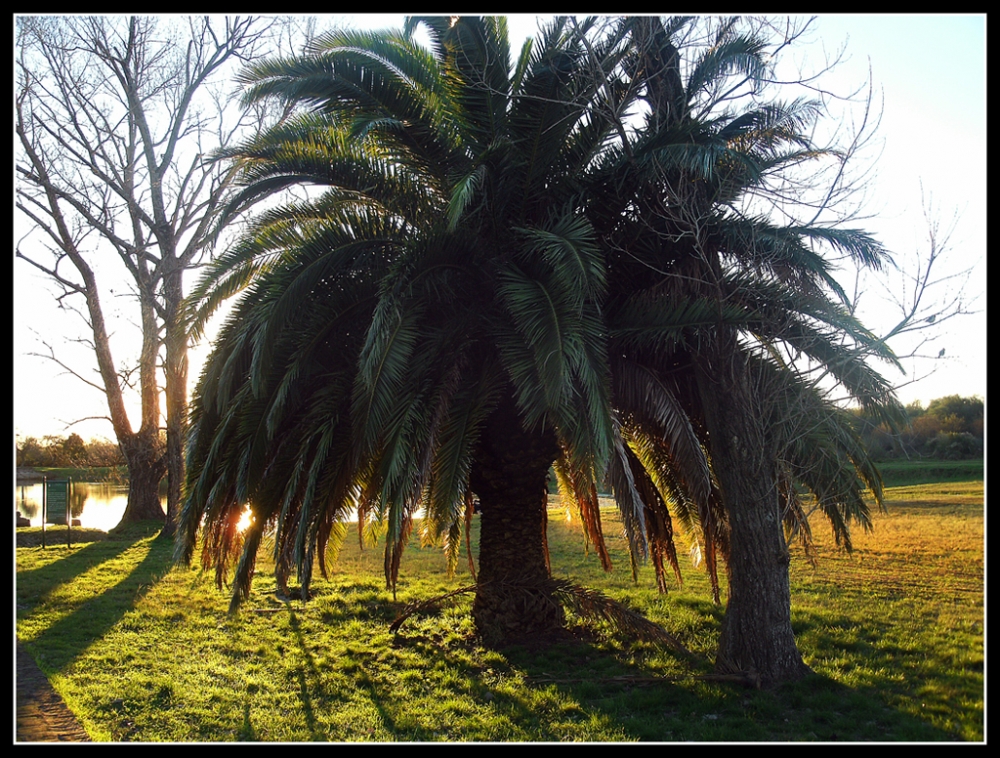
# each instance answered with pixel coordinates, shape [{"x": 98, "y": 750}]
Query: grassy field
[
  {"x": 144, "y": 651},
  {"x": 928, "y": 471},
  {"x": 87, "y": 474}
]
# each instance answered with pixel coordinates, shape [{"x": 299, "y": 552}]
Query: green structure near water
[{"x": 56, "y": 500}]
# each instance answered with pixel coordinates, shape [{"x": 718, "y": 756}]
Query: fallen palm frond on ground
[
  {"x": 592, "y": 605},
  {"x": 589, "y": 604}
]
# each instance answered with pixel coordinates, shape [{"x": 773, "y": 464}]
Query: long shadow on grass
[
  {"x": 578, "y": 689},
  {"x": 34, "y": 584},
  {"x": 305, "y": 693},
  {"x": 492, "y": 700},
  {"x": 60, "y": 644},
  {"x": 589, "y": 689},
  {"x": 886, "y": 667},
  {"x": 603, "y": 681},
  {"x": 313, "y": 693}
]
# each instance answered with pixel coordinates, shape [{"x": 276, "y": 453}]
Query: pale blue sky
[{"x": 930, "y": 70}]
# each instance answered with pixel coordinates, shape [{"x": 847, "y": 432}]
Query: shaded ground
[
  {"x": 42, "y": 716},
  {"x": 55, "y": 535}
]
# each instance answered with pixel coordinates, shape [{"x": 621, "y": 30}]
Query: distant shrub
[
  {"x": 954, "y": 446},
  {"x": 67, "y": 451},
  {"x": 950, "y": 428}
]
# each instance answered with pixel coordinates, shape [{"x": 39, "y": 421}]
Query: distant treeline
[
  {"x": 71, "y": 451},
  {"x": 949, "y": 428}
]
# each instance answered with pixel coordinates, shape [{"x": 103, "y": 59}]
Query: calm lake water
[{"x": 98, "y": 505}]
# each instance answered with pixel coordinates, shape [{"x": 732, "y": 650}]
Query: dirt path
[{"x": 42, "y": 716}]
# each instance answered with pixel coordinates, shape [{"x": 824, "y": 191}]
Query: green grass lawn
[
  {"x": 930, "y": 471},
  {"x": 145, "y": 651}
]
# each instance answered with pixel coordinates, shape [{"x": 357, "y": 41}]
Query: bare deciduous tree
[
  {"x": 925, "y": 291},
  {"x": 116, "y": 119}
]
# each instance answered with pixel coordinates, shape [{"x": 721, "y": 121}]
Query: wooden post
[{"x": 69, "y": 511}]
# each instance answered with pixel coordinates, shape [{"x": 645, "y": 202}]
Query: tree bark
[
  {"x": 514, "y": 599},
  {"x": 142, "y": 450},
  {"x": 757, "y": 637},
  {"x": 175, "y": 372},
  {"x": 145, "y": 470}
]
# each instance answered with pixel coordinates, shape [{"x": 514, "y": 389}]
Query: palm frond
[
  {"x": 578, "y": 488},
  {"x": 741, "y": 54},
  {"x": 568, "y": 245},
  {"x": 645, "y": 397},
  {"x": 457, "y": 438},
  {"x": 629, "y": 502}
]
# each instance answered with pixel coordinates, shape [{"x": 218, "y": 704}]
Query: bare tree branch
[{"x": 51, "y": 356}]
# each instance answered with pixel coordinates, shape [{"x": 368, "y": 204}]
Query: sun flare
[{"x": 245, "y": 520}]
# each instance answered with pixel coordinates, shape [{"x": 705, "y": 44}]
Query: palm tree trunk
[
  {"x": 514, "y": 600},
  {"x": 757, "y": 636}
]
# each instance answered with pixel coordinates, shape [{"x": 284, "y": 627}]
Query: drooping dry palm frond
[{"x": 576, "y": 489}]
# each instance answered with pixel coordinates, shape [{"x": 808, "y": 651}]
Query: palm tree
[
  {"x": 501, "y": 275},
  {"x": 428, "y": 328},
  {"x": 714, "y": 310}
]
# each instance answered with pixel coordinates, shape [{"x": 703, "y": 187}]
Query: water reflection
[{"x": 98, "y": 505}]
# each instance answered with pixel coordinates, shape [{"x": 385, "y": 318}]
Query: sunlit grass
[{"x": 145, "y": 651}]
